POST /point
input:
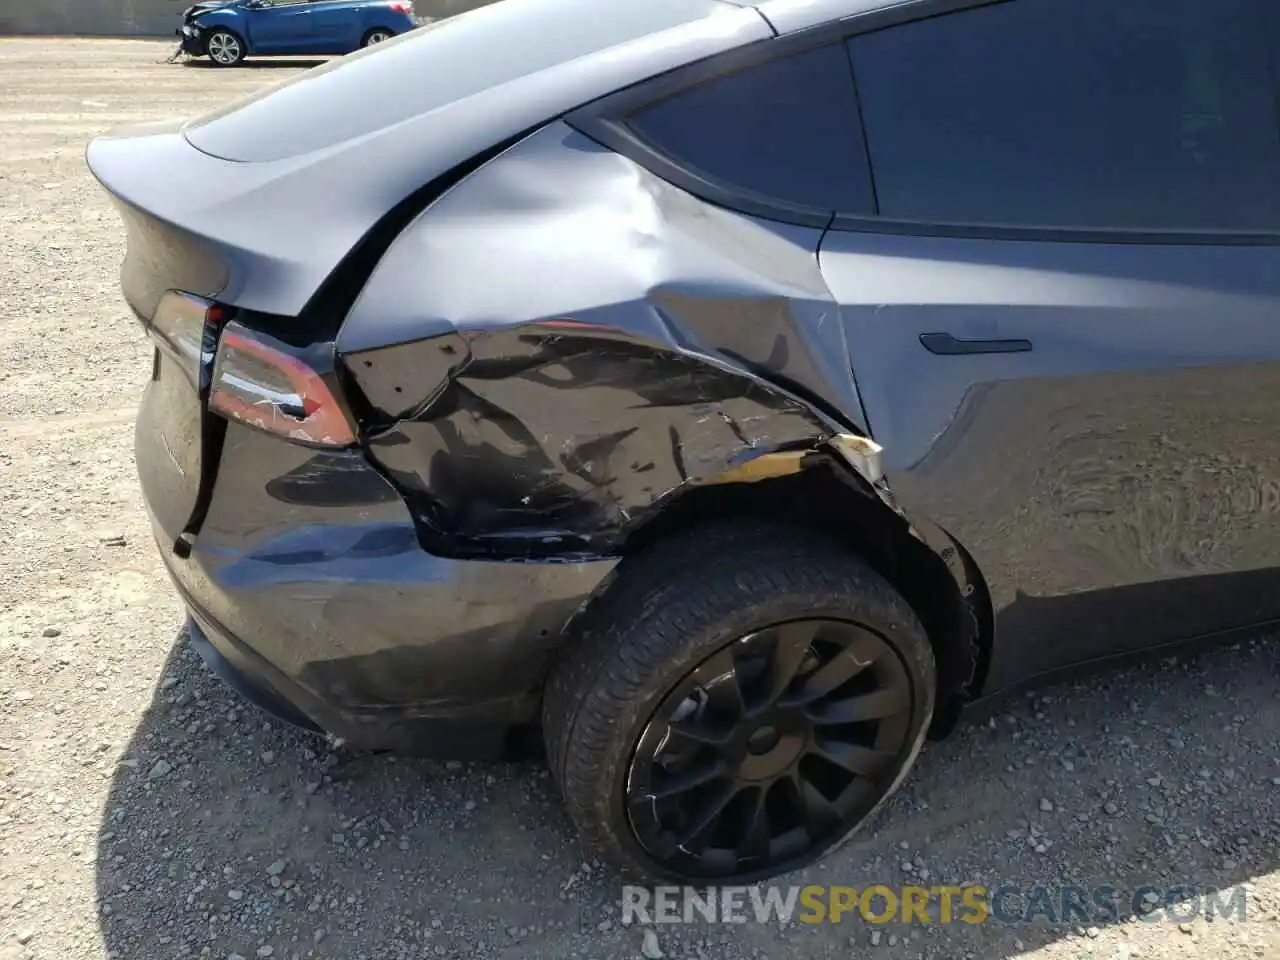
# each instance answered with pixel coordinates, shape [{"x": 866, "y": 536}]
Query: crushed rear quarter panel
[{"x": 564, "y": 341}]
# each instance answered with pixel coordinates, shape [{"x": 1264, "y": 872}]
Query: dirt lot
[{"x": 144, "y": 813}]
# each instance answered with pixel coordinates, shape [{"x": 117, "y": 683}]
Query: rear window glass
[
  {"x": 427, "y": 68},
  {"x": 785, "y": 130}
]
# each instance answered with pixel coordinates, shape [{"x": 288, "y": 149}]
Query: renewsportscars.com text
[{"x": 1007, "y": 903}]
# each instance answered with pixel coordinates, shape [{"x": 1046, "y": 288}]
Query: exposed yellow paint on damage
[
  {"x": 862, "y": 454},
  {"x": 764, "y": 467}
]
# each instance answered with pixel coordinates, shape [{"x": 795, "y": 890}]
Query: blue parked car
[{"x": 229, "y": 31}]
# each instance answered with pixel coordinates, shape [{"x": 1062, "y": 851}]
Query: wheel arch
[{"x": 821, "y": 491}]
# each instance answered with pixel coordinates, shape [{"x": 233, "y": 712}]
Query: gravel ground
[{"x": 145, "y": 813}]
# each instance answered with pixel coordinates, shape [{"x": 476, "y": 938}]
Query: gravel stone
[{"x": 161, "y": 768}]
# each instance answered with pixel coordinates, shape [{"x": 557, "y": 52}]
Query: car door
[
  {"x": 281, "y": 26},
  {"x": 337, "y": 25},
  {"x": 1064, "y": 320}
]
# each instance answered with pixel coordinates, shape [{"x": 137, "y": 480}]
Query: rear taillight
[
  {"x": 186, "y": 328},
  {"x": 265, "y": 384},
  {"x": 399, "y": 6}
]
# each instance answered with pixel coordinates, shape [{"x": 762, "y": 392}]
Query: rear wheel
[
  {"x": 739, "y": 723},
  {"x": 376, "y": 36},
  {"x": 225, "y": 49}
]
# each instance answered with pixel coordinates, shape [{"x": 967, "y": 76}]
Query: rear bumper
[
  {"x": 475, "y": 735},
  {"x": 243, "y": 671},
  {"x": 310, "y": 593}
]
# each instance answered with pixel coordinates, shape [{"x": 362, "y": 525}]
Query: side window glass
[
  {"x": 1138, "y": 114},
  {"x": 786, "y": 130}
]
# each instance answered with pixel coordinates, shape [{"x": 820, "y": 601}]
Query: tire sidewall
[
  {"x": 909, "y": 644},
  {"x": 370, "y": 42}
]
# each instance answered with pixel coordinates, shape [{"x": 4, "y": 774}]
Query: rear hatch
[
  {"x": 176, "y": 441},
  {"x": 173, "y": 429},
  {"x": 280, "y": 187},
  {"x": 197, "y": 253},
  {"x": 277, "y": 207}
]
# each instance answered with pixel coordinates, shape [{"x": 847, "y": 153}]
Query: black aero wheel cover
[{"x": 771, "y": 750}]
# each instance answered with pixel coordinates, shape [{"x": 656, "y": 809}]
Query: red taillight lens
[
  {"x": 400, "y": 7},
  {"x": 258, "y": 381}
]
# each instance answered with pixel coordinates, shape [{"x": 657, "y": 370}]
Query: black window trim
[{"x": 604, "y": 120}]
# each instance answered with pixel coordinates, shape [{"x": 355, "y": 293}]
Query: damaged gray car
[{"x": 722, "y": 394}]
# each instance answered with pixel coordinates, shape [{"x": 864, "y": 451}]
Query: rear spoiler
[{"x": 257, "y": 220}]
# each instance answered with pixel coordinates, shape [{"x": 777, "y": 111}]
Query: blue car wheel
[{"x": 225, "y": 49}]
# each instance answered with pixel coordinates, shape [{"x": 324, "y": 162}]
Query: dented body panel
[{"x": 543, "y": 408}]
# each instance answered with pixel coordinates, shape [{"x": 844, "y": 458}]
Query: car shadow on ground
[{"x": 226, "y": 833}]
